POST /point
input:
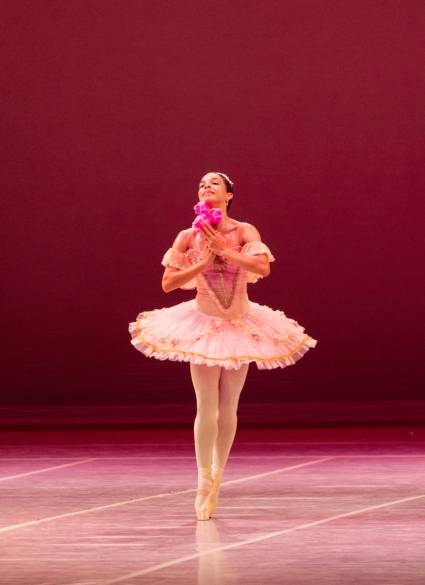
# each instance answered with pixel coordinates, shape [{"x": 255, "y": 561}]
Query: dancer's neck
[{"x": 224, "y": 223}]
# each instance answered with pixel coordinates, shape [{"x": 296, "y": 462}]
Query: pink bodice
[{"x": 222, "y": 286}]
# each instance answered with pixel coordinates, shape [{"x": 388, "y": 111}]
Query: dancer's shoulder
[
  {"x": 248, "y": 232},
  {"x": 183, "y": 239}
]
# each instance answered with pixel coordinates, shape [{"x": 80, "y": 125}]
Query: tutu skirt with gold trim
[{"x": 182, "y": 333}]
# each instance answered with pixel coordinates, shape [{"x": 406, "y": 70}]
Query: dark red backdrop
[{"x": 111, "y": 113}]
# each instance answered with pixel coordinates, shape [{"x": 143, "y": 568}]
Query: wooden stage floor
[{"x": 297, "y": 507}]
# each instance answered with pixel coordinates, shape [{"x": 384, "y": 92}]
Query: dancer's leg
[
  {"x": 205, "y": 381},
  {"x": 230, "y": 388}
]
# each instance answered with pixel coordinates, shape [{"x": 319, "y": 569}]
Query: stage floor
[{"x": 296, "y": 507}]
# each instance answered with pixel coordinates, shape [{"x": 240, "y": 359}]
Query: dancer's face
[{"x": 213, "y": 188}]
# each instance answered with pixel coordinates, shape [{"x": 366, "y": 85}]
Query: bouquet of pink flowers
[{"x": 205, "y": 214}]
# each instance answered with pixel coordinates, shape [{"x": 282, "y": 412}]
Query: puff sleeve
[
  {"x": 252, "y": 248},
  {"x": 178, "y": 259}
]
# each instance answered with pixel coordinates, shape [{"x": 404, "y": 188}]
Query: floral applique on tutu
[{"x": 182, "y": 332}]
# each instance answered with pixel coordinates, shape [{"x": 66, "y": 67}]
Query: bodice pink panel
[{"x": 223, "y": 282}]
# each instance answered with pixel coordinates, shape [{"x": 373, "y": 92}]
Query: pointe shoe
[
  {"x": 217, "y": 474},
  {"x": 202, "y": 503}
]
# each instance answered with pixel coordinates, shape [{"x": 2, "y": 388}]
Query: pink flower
[
  {"x": 205, "y": 214},
  {"x": 215, "y": 215},
  {"x": 197, "y": 222},
  {"x": 201, "y": 207}
]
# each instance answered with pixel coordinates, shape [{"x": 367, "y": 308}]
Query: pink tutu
[{"x": 182, "y": 333}]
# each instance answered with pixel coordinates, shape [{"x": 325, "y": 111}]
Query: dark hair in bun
[{"x": 229, "y": 186}]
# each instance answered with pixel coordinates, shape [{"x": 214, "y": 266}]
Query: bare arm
[
  {"x": 174, "y": 277},
  {"x": 259, "y": 263}
]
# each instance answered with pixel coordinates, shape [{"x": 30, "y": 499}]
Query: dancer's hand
[
  {"x": 215, "y": 240},
  {"x": 209, "y": 256},
  {"x": 208, "y": 253}
]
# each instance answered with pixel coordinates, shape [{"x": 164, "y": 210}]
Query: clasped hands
[{"x": 216, "y": 243}]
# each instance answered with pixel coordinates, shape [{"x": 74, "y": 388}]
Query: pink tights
[{"x": 217, "y": 395}]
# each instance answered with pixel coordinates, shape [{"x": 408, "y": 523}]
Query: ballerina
[{"x": 221, "y": 331}]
